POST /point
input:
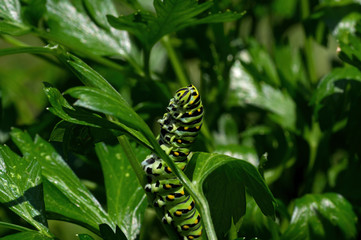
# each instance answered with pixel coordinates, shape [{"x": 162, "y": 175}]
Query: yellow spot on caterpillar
[
  {"x": 181, "y": 192},
  {"x": 176, "y": 153},
  {"x": 197, "y": 127},
  {"x": 191, "y": 102},
  {"x": 183, "y": 167},
  {"x": 178, "y": 213},
  {"x": 168, "y": 186},
  {"x": 179, "y": 141},
  {"x": 185, "y": 227},
  {"x": 190, "y": 113},
  {"x": 199, "y": 110},
  {"x": 170, "y": 197},
  {"x": 196, "y": 221},
  {"x": 186, "y": 128},
  {"x": 169, "y": 170},
  {"x": 189, "y": 207},
  {"x": 190, "y": 237}
]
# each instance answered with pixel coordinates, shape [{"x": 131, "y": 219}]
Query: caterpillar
[{"x": 179, "y": 127}]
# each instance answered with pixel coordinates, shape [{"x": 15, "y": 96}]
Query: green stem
[
  {"x": 175, "y": 61},
  {"x": 13, "y": 41},
  {"x": 146, "y": 61},
  {"x": 132, "y": 159},
  {"x": 15, "y": 227},
  {"x": 305, "y": 12},
  {"x": 30, "y": 50}
]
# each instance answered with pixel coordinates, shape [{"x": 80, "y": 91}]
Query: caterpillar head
[{"x": 187, "y": 95}]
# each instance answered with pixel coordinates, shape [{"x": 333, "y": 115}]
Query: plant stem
[
  {"x": 175, "y": 61},
  {"x": 123, "y": 141},
  {"x": 15, "y": 227},
  {"x": 146, "y": 63}
]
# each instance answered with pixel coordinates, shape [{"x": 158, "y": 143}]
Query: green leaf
[
  {"x": 61, "y": 207},
  {"x": 171, "y": 16},
  {"x": 27, "y": 236},
  {"x": 69, "y": 24},
  {"x": 327, "y": 86},
  {"x": 236, "y": 175},
  {"x": 126, "y": 199},
  {"x": 243, "y": 152},
  {"x": 61, "y": 108},
  {"x": 96, "y": 100},
  {"x": 85, "y": 237},
  {"x": 21, "y": 187},
  {"x": 10, "y": 18},
  {"x": 59, "y": 174},
  {"x": 90, "y": 78},
  {"x": 322, "y": 216},
  {"x": 98, "y": 9},
  {"x": 245, "y": 90}
]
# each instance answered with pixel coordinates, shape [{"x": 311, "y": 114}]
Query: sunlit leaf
[
  {"x": 21, "y": 187},
  {"x": 59, "y": 174},
  {"x": 69, "y": 24},
  {"x": 322, "y": 216},
  {"x": 10, "y": 18},
  {"x": 245, "y": 90}
]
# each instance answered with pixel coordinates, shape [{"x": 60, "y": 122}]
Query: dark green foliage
[{"x": 278, "y": 156}]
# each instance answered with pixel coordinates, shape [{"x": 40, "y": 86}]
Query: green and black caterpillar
[{"x": 179, "y": 127}]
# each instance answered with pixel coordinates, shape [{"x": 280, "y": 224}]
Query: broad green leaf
[
  {"x": 290, "y": 66},
  {"x": 327, "y": 86},
  {"x": 171, "y": 16},
  {"x": 350, "y": 50},
  {"x": 61, "y": 108},
  {"x": 85, "y": 237},
  {"x": 98, "y": 10},
  {"x": 243, "y": 152},
  {"x": 10, "y": 18},
  {"x": 227, "y": 131},
  {"x": 346, "y": 26},
  {"x": 261, "y": 65},
  {"x": 236, "y": 175},
  {"x": 322, "y": 216},
  {"x": 96, "y": 100},
  {"x": 69, "y": 24},
  {"x": 27, "y": 236},
  {"x": 61, "y": 207},
  {"x": 21, "y": 187},
  {"x": 126, "y": 200},
  {"x": 245, "y": 90},
  {"x": 226, "y": 198},
  {"x": 59, "y": 174}
]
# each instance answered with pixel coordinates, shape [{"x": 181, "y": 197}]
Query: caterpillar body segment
[{"x": 179, "y": 127}]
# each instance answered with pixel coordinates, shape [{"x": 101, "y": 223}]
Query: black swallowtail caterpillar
[{"x": 179, "y": 127}]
